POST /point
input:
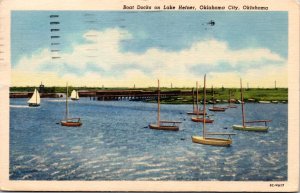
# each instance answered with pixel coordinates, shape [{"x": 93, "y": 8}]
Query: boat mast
[
  {"x": 35, "y": 96},
  {"x": 229, "y": 97},
  {"x": 193, "y": 100},
  {"x": 197, "y": 103},
  {"x": 67, "y": 110},
  {"x": 242, "y": 100},
  {"x": 158, "y": 104},
  {"x": 204, "y": 105},
  {"x": 213, "y": 96}
]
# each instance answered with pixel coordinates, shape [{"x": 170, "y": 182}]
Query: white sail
[
  {"x": 77, "y": 96},
  {"x": 35, "y": 99},
  {"x": 74, "y": 95}
]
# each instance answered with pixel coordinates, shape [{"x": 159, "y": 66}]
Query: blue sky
[{"x": 152, "y": 36}]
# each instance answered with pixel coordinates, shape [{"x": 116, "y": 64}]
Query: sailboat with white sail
[
  {"x": 74, "y": 95},
  {"x": 35, "y": 99}
]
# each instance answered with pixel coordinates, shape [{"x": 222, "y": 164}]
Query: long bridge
[{"x": 131, "y": 94}]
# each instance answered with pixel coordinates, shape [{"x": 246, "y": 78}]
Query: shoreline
[
  {"x": 163, "y": 101},
  {"x": 168, "y": 95}
]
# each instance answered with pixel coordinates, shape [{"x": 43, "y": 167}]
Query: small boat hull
[
  {"x": 33, "y": 105},
  {"x": 195, "y": 119},
  {"x": 74, "y": 99},
  {"x": 164, "y": 127},
  {"x": 70, "y": 124},
  {"x": 212, "y": 141},
  {"x": 217, "y": 109},
  {"x": 250, "y": 128},
  {"x": 264, "y": 102}
]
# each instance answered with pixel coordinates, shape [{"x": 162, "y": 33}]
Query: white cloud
[
  {"x": 115, "y": 67},
  {"x": 256, "y": 77}
]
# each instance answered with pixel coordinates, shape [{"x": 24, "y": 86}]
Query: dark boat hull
[
  {"x": 195, "y": 119},
  {"x": 33, "y": 105},
  {"x": 164, "y": 127},
  {"x": 70, "y": 124},
  {"x": 217, "y": 109}
]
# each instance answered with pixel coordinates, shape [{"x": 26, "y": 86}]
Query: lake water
[{"x": 114, "y": 143}]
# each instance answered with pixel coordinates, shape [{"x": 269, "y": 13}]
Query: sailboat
[
  {"x": 74, "y": 95},
  {"x": 162, "y": 124},
  {"x": 35, "y": 99},
  {"x": 70, "y": 122},
  {"x": 230, "y": 104},
  {"x": 249, "y": 128},
  {"x": 214, "y": 108},
  {"x": 197, "y": 118},
  {"x": 196, "y": 109},
  {"x": 211, "y": 140}
]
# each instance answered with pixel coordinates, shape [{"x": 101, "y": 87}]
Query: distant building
[{"x": 42, "y": 88}]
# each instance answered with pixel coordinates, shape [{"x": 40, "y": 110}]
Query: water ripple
[{"x": 113, "y": 144}]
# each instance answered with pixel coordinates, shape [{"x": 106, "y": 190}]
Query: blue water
[{"x": 115, "y": 143}]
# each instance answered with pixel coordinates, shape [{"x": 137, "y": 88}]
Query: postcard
[{"x": 147, "y": 95}]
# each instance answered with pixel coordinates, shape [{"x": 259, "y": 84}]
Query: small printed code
[{"x": 276, "y": 185}]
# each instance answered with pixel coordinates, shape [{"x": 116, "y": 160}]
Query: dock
[
  {"x": 109, "y": 95},
  {"x": 135, "y": 95}
]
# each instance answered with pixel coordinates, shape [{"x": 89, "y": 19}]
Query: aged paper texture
[{"x": 147, "y": 95}]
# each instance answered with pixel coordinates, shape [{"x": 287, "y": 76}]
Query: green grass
[{"x": 258, "y": 94}]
